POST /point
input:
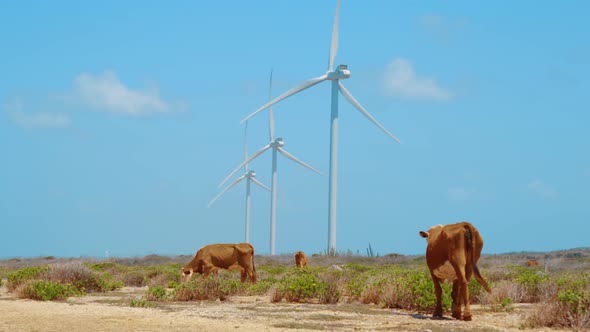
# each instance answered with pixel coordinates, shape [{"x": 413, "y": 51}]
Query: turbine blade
[
  {"x": 260, "y": 184},
  {"x": 288, "y": 93},
  {"x": 226, "y": 189},
  {"x": 246, "y": 146},
  {"x": 358, "y": 106},
  {"x": 334, "y": 46},
  {"x": 292, "y": 157},
  {"x": 247, "y": 161},
  {"x": 271, "y": 123}
]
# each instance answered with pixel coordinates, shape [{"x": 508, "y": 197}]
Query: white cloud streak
[
  {"x": 401, "y": 81},
  {"x": 15, "y": 109},
  {"x": 106, "y": 92},
  {"x": 459, "y": 194},
  {"x": 539, "y": 188}
]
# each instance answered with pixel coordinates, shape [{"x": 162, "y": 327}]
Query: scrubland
[{"x": 390, "y": 292}]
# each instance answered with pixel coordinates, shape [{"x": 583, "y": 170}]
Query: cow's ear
[{"x": 424, "y": 234}]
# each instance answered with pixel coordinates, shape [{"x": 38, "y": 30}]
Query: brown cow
[
  {"x": 229, "y": 256},
  {"x": 532, "y": 263},
  {"x": 452, "y": 254},
  {"x": 300, "y": 259}
]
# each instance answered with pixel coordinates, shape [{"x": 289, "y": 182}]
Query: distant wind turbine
[
  {"x": 249, "y": 176},
  {"x": 276, "y": 145},
  {"x": 334, "y": 75}
]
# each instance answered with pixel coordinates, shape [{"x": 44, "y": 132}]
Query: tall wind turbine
[
  {"x": 334, "y": 75},
  {"x": 250, "y": 176},
  {"x": 277, "y": 146}
]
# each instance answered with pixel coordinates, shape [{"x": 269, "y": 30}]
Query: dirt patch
[{"x": 111, "y": 312}]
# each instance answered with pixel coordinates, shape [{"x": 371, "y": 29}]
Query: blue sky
[{"x": 119, "y": 119}]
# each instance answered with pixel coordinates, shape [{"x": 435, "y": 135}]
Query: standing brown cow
[
  {"x": 229, "y": 256},
  {"x": 452, "y": 254},
  {"x": 300, "y": 259}
]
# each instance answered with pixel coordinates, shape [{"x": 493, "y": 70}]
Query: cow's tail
[
  {"x": 471, "y": 248},
  {"x": 253, "y": 265}
]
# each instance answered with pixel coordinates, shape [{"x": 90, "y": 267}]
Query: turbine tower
[
  {"x": 277, "y": 146},
  {"x": 334, "y": 75},
  {"x": 250, "y": 176}
]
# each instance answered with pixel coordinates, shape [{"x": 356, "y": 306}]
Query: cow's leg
[
  {"x": 243, "y": 274},
  {"x": 208, "y": 269},
  {"x": 438, "y": 293},
  {"x": 252, "y": 274},
  {"x": 463, "y": 290},
  {"x": 455, "y": 295}
]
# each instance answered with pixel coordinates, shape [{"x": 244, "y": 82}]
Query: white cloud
[
  {"x": 40, "y": 120},
  {"x": 15, "y": 108},
  {"x": 401, "y": 81},
  {"x": 459, "y": 194},
  {"x": 106, "y": 92},
  {"x": 540, "y": 188}
]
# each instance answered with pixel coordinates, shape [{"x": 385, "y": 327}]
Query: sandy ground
[{"x": 111, "y": 312}]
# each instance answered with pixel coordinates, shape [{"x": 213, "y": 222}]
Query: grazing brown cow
[
  {"x": 229, "y": 256},
  {"x": 452, "y": 254},
  {"x": 532, "y": 263},
  {"x": 300, "y": 259}
]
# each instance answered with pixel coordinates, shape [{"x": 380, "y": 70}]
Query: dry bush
[
  {"x": 560, "y": 315},
  {"x": 76, "y": 274},
  {"x": 275, "y": 294},
  {"x": 371, "y": 294},
  {"x": 501, "y": 290},
  {"x": 132, "y": 278},
  {"x": 566, "y": 304},
  {"x": 397, "y": 296},
  {"x": 333, "y": 283}
]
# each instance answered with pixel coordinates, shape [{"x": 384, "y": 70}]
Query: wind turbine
[
  {"x": 276, "y": 144},
  {"x": 334, "y": 75},
  {"x": 250, "y": 176}
]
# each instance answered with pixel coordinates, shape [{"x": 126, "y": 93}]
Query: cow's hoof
[
  {"x": 456, "y": 315},
  {"x": 466, "y": 317},
  {"x": 437, "y": 315}
]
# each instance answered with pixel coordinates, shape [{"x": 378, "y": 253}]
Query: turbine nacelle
[
  {"x": 340, "y": 73},
  {"x": 278, "y": 142},
  {"x": 251, "y": 174}
]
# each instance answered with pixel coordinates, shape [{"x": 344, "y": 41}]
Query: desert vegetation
[{"x": 559, "y": 287}]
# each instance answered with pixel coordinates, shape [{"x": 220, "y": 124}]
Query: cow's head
[
  {"x": 186, "y": 274},
  {"x": 434, "y": 230}
]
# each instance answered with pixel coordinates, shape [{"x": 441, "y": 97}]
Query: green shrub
[
  {"x": 304, "y": 285},
  {"x": 354, "y": 286},
  {"x": 500, "y": 303},
  {"x": 140, "y": 303},
  {"x": 23, "y": 275},
  {"x": 162, "y": 275},
  {"x": 531, "y": 282},
  {"x": 262, "y": 286},
  {"x": 104, "y": 266},
  {"x": 210, "y": 288},
  {"x": 47, "y": 290},
  {"x": 272, "y": 270},
  {"x": 156, "y": 293},
  {"x": 396, "y": 287}
]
